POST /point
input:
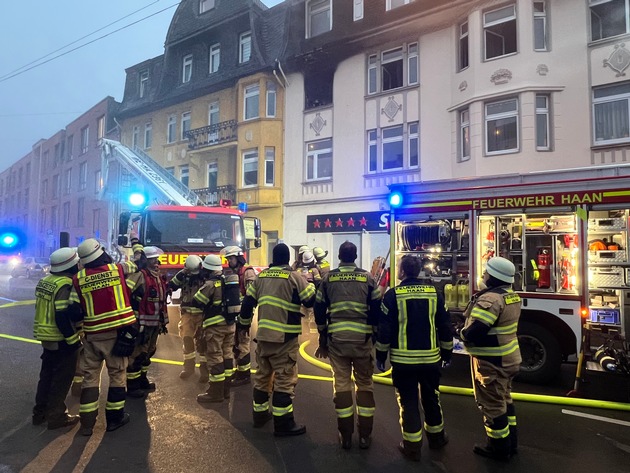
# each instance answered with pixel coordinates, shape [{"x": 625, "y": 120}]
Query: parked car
[{"x": 31, "y": 267}]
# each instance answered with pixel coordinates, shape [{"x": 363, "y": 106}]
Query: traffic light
[{"x": 11, "y": 240}]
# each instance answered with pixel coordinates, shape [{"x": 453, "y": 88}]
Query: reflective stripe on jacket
[{"x": 46, "y": 305}]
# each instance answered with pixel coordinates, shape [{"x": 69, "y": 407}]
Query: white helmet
[
  {"x": 89, "y": 250},
  {"x": 193, "y": 262},
  {"x": 501, "y": 268},
  {"x": 63, "y": 259},
  {"x": 319, "y": 252},
  {"x": 152, "y": 252},
  {"x": 213, "y": 263},
  {"x": 302, "y": 249},
  {"x": 307, "y": 257},
  {"x": 231, "y": 251}
]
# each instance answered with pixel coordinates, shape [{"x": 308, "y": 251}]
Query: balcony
[
  {"x": 212, "y": 196},
  {"x": 212, "y": 135}
]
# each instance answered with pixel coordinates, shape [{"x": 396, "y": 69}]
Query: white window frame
[
  {"x": 270, "y": 163},
  {"x": 213, "y": 168},
  {"x": 85, "y": 139},
  {"x": 372, "y": 147},
  {"x": 185, "y": 125},
  {"x": 251, "y": 92},
  {"x": 68, "y": 181},
  {"x": 463, "y": 47},
  {"x": 607, "y": 99},
  {"x": 69, "y": 147},
  {"x": 411, "y": 137},
  {"x": 488, "y": 24},
  {"x": 144, "y": 82},
  {"x": 594, "y": 3},
  {"x": 271, "y": 100},
  {"x": 250, "y": 157},
  {"x": 389, "y": 6},
  {"x": 389, "y": 140},
  {"x": 83, "y": 169},
  {"x": 171, "y": 129},
  {"x": 541, "y": 17},
  {"x": 393, "y": 59},
  {"x": 135, "y": 136},
  {"x": 187, "y": 66},
  {"x": 372, "y": 76},
  {"x": 464, "y": 135},
  {"x": 357, "y": 10},
  {"x": 501, "y": 116},
  {"x": 148, "y": 135},
  {"x": 376, "y": 63},
  {"x": 316, "y": 7},
  {"x": 214, "y": 58},
  {"x": 98, "y": 181},
  {"x": 214, "y": 110},
  {"x": 315, "y": 154},
  {"x": 205, "y": 5},
  {"x": 66, "y": 214},
  {"x": 244, "y": 47},
  {"x": 100, "y": 128},
  {"x": 184, "y": 174},
  {"x": 544, "y": 112},
  {"x": 412, "y": 56}
]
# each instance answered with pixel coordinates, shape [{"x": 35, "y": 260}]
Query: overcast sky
[{"x": 41, "y": 101}]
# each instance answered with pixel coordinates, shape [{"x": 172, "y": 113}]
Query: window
[
  {"x": 271, "y": 99},
  {"x": 66, "y": 214},
  {"x": 319, "y": 160},
  {"x": 398, "y": 68},
  {"x": 53, "y": 218},
  {"x": 187, "y": 64},
  {"x": 392, "y": 69},
  {"x": 501, "y": 126},
  {"x": 372, "y": 151},
  {"x": 318, "y": 17},
  {"x": 464, "y": 135},
  {"x": 213, "y": 174},
  {"x": 270, "y": 159},
  {"x": 205, "y": 5},
  {"x": 542, "y": 123},
  {"x": 250, "y": 168},
  {"x": 318, "y": 87},
  {"x": 42, "y": 220},
  {"x": 184, "y": 175},
  {"x": 69, "y": 146},
  {"x": 414, "y": 145},
  {"x": 215, "y": 58},
  {"x": 372, "y": 71},
  {"x": 391, "y": 4},
  {"x": 85, "y": 139},
  {"x": 392, "y": 148},
  {"x": 100, "y": 128},
  {"x": 27, "y": 172},
  {"x": 251, "y": 102},
  {"x": 98, "y": 181},
  {"x": 44, "y": 190},
  {"x": 245, "y": 47},
  {"x": 170, "y": 170},
  {"x": 80, "y": 211},
  {"x": 56, "y": 186},
  {"x": 83, "y": 176},
  {"x": 26, "y": 195},
  {"x": 463, "y": 47},
  {"x": 68, "y": 181},
  {"x": 135, "y": 137},
  {"x": 609, "y": 18},
  {"x": 412, "y": 64},
  {"x": 171, "y": 129},
  {"x": 144, "y": 82},
  {"x": 611, "y": 111},
  {"x": 540, "y": 26},
  {"x": 213, "y": 113},
  {"x": 357, "y": 12},
  {"x": 96, "y": 218},
  {"x": 148, "y": 135},
  {"x": 499, "y": 32},
  {"x": 185, "y": 125}
]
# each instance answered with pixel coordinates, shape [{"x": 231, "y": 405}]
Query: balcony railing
[
  {"x": 212, "y": 135},
  {"x": 212, "y": 196}
]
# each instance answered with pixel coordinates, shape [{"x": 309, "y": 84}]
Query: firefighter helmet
[
  {"x": 501, "y": 268},
  {"x": 63, "y": 259},
  {"x": 307, "y": 257},
  {"x": 302, "y": 249},
  {"x": 231, "y": 251},
  {"x": 319, "y": 253},
  {"x": 213, "y": 263},
  {"x": 193, "y": 263},
  {"x": 152, "y": 252},
  {"x": 90, "y": 250}
]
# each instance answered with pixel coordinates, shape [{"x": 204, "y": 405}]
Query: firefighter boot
[
  {"x": 241, "y": 378},
  {"x": 65, "y": 421},
  {"x": 345, "y": 425},
  {"x": 437, "y": 440},
  {"x": 365, "y": 419},
  {"x": 88, "y": 410},
  {"x": 133, "y": 388},
  {"x": 226, "y": 387},
  {"x": 189, "y": 368},
  {"x": 497, "y": 449},
  {"x": 283, "y": 422},
  {"x": 77, "y": 385},
  {"x": 261, "y": 414},
  {"x": 261, "y": 419},
  {"x": 511, "y": 413},
  {"x": 117, "y": 423},
  {"x": 204, "y": 374},
  {"x": 146, "y": 385},
  {"x": 411, "y": 450},
  {"x": 213, "y": 394}
]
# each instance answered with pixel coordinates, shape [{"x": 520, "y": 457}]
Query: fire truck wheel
[{"x": 540, "y": 352}]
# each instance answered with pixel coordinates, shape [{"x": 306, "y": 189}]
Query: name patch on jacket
[
  {"x": 45, "y": 290},
  {"x": 93, "y": 282},
  {"x": 273, "y": 273},
  {"x": 415, "y": 289},
  {"x": 511, "y": 298},
  {"x": 342, "y": 277}
]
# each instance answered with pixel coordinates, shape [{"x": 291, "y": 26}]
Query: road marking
[
  {"x": 16, "y": 303},
  {"x": 594, "y": 417},
  {"x": 5, "y": 299}
]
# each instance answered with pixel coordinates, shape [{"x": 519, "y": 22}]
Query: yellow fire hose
[{"x": 564, "y": 401}]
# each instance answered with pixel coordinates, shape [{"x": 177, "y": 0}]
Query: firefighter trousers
[
  {"x": 55, "y": 378},
  {"x": 140, "y": 359},
  {"x": 189, "y": 327},
  {"x": 492, "y": 386},
  {"x": 219, "y": 355}
]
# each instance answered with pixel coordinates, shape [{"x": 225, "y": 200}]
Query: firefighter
[
  {"x": 148, "y": 299},
  {"x": 347, "y": 310},
  {"x": 101, "y": 289},
  {"x": 322, "y": 264},
  {"x": 278, "y": 292},
  {"x": 242, "y": 341},
  {"x": 189, "y": 280},
  {"x": 489, "y": 335},
  {"x": 309, "y": 269},
  {"x": 297, "y": 264},
  {"x": 415, "y": 329},
  {"x": 53, "y": 327},
  {"x": 218, "y": 330}
]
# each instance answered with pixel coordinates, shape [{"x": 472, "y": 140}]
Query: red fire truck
[{"x": 567, "y": 233}]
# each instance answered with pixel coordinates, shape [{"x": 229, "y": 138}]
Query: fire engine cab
[{"x": 567, "y": 233}]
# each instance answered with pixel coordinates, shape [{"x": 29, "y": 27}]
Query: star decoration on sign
[
  {"x": 363, "y": 222},
  {"x": 327, "y": 223},
  {"x": 351, "y": 222},
  {"x": 317, "y": 223},
  {"x": 339, "y": 223}
]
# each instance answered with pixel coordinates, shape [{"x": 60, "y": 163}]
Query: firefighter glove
[
  {"x": 163, "y": 330},
  {"x": 381, "y": 358},
  {"x": 240, "y": 328},
  {"x": 125, "y": 341},
  {"x": 322, "y": 349}
]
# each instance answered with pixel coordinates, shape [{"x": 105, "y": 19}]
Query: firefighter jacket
[
  {"x": 53, "y": 311},
  {"x": 348, "y": 304},
  {"x": 148, "y": 292},
  {"x": 246, "y": 275},
  {"x": 415, "y": 326},
  {"x": 489, "y": 332},
  {"x": 189, "y": 285},
  {"x": 104, "y": 297},
  {"x": 324, "y": 267},
  {"x": 278, "y": 292},
  {"x": 311, "y": 274},
  {"x": 210, "y": 298}
]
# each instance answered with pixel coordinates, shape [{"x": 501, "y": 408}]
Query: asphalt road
[{"x": 171, "y": 432}]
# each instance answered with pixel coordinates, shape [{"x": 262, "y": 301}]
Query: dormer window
[
  {"x": 319, "y": 18},
  {"x": 144, "y": 82},
  {"x": 205, "y": 5},
  {"x": 187, "y": 68},
  {"x": 245, "y": 47}
]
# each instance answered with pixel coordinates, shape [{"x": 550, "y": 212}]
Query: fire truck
[{"x": 567, "y": 233}]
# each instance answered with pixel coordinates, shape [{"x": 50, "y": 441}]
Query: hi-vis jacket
[
  {"x": 52, "y": 323},
  {"x": 324, "y": 267},
  {"x": 149, "y": 291},
  {"x": 189, "y": 284},
  {"x": 348, "y": 304},
  {"x": 278, "y": 292},
  {"x": 490, "y": 329},
  {"x": 104, "y": 297},
  {"x": 415, "y": 326},
  {"x": 210, "y": 298}
]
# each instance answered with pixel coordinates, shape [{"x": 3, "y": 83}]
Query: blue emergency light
[
  {"x": 395, "y": 200},
  {"x": 137, "y": 199},
  {"x": 11, "y": 240}
]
